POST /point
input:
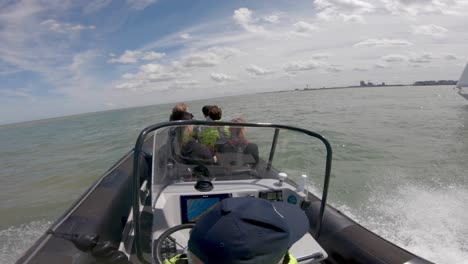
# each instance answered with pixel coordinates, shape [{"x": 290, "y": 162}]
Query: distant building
[{"x": 440, "y": 82}]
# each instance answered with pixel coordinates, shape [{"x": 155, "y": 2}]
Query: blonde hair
[
  {"x": 181, "y": 107},
  {"x": 238, "y": 132}
]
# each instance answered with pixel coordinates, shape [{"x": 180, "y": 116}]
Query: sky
[{"x": 63, "y": 57}]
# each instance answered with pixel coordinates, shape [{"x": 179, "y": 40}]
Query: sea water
[{"x": 399, "y": 167}]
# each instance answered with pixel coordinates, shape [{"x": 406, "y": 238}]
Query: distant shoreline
[
  {"x": 57, "y": 118},
  {"x": 352, "y": 87}
]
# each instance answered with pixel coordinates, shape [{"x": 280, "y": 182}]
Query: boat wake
[
  {"x": 15, "y": 240},
  {"x": 430, "y": 222}
]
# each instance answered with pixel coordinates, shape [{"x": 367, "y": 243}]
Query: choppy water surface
[{"x": 400, "y": 161}]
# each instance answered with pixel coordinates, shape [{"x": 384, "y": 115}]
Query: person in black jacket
[
  {"x": 190, "y": 150},
  {"x": 238, "y": 142}
]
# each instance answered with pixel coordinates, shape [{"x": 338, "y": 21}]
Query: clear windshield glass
[{"x": 188, "y": 153}]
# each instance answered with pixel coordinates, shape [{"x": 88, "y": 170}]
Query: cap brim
[{"x": 295, "y": 218}]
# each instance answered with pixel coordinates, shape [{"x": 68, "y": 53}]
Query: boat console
[{"x": 180, "y": 203}]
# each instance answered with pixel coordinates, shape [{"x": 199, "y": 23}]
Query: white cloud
[
  {"x": 133, "y": 56},
  {"x": 334, "y": 68},
  {"x": 430, "y": 30},
  {"x": 304, "y": 27},
  {"x": 180, "y": 85},
  {"x": 129, "y": 56},
  {"x": 345, "y": 5},
  {"x": 383, "y": 43},
  {"x": 274, "y": 19},
  {"x": 202, "y": 59},
  {"x": 360, "y": 69},
  {"x": 243, "y": 17},
  {"x": 394, "y": 58},
  {"x": 221, "y": 77},
  {"x": 64, "y": 27},
  {"x": 423, "y": 58},
  {"x": 320, "y": 56},
  {"x": 152, "y": 55},
  {"x": 209, "y": 57},
  {"x": 417, "y": 7},
  {"x": 96, "y": 5},
  {"x": 301, "y": 66},
  {"x": 151, "y": 68},
  {"x": 140, "y": 4},
  {"x": 81, "y": 62},
  {"x": 256, "y": 70},
  {"x": 352, "y": 18},
  {"x": 347, "y": 10},
  {"x": 15, "y": 93},
  {"x": 150, "y": 77},
  {"x": 225, "y": 52},
  {"x": 380, "y": 65},
  {"x": 185, "y": 36}
]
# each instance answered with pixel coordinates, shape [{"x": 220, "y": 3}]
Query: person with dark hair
[
  {"x": 245, "y": 230},
  {"x": 206, "y": 110},
  {"x": 198, "y": 131},
  {"x": 238, "y": 142},
  {"x": 210, "y": 135},
  {"x": 215, "y": 113}
]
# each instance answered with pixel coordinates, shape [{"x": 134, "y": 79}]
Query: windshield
[{"x": 189, "y": 153}]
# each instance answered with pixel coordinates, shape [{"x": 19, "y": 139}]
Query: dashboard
[{"x": 180, "y": 203}]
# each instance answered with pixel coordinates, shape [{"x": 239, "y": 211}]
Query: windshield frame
[{"x": 136, "y": 184}]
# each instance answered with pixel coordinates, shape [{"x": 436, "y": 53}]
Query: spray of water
[
  {"x": 15, "y": 240},
  {"x": 428, "y": 221}
]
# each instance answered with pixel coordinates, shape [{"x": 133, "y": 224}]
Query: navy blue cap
[{"x": 247, "y": 230}]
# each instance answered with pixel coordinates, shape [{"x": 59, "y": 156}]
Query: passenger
[
  {"x": 245, "y": 230},
  {"x": 190, "y": 149},
  {"x": 178, "y": 112},
  {"x": 200, "y": 129},
  {"x": 210, "y": 135},
  {"x": 239, "y": 143},
  {"x": 206, "y": 111}
]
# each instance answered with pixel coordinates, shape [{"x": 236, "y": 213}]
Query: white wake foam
[
  {"x": 15, "y": 240},
  {"x": 430, "y": 222}
]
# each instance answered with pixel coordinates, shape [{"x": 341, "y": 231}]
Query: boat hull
[
  {"x": 105, "y": 206},
  {"x": 103, "y": 209}
]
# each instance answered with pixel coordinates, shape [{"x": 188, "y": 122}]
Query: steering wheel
[{"x": 167, "y": 235}]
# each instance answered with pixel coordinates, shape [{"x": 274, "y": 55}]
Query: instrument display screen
[
  {"x": 194, "y": 206},
  {"x": 271, "y": 196}
]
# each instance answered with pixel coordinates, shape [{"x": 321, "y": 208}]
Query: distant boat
[{"x": 463, "y": 83}]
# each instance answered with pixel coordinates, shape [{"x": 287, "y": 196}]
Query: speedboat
[
  {"x": 463, "y": 83},
  {"x": 142, "y": 209}
]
